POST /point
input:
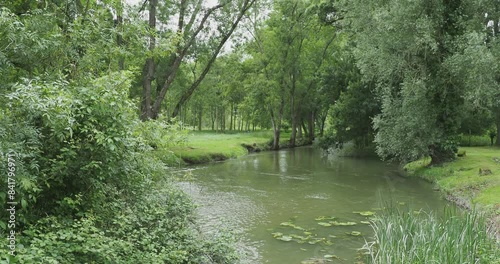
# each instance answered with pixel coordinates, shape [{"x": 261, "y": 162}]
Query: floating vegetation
[
  {"x": 354, "y": 233},
  {"x": 316, "y": 240},
  {"x": 301, "y": 238},
  {"x": 277, "y": 234},
  {"x": 331, "y": 257},
  {"x": 401, "y": 203},
  {"x": 365, "y": 222},
  {"x": 307, "y": 233},
  {"x": 324, "y": 224},
  {"x": 285, "y": 238},
  {"x": 365, "y": 213},
  {"x": 327, "y": 242},
  {"x": 287, "y": 224},
  {"x": 323, "y": 218},
  {"x": 292, "y": 225},
  {"x": 335, "y": 223}
]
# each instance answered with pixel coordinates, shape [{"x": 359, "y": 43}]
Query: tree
[
  {"x": 402, "y": 46},
  {"x": 476, "y": 63},
  {"x": 191, "y": 30}
]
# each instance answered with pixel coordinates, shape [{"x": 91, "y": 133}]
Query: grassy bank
[
  {"x": 207, "y": 146},
  {"x": 470, "y": 181}
]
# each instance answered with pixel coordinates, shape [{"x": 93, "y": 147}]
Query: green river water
[{"x": 254, "y": 195}]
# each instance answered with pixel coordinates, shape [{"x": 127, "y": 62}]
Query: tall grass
[{"x": 419, "y": 237}]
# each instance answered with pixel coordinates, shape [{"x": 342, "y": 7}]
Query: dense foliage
[
  {"x": 90, "y": 187},
  {"x": 94, "y": 95}
]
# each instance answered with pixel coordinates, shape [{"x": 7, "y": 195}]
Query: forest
[{"x": 96, "y": 96}]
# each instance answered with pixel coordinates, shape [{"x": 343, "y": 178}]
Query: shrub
[{"x": 89, "y": 184}]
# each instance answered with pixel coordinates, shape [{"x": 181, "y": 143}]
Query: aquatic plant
[{"x": 405, "y": 237}]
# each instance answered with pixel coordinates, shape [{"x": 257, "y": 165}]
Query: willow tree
[{"x": 403, "y": 47}]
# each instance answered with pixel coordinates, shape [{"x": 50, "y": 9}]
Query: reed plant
[{"x": 406, "y": 236}]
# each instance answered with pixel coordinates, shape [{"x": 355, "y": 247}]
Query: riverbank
[
  {"x": 208, "y": 146},
  {"x": 472, "y": 180}
]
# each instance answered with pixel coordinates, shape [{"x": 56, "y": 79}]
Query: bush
[{"x": 88, "y": 180}]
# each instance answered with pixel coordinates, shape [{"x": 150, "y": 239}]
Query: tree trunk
[
  {"x": 305, "y": 129},
  {"x": 231, "y": 119},
  {"x": 322, "y": 128},
  {"x": 497, "y": 115},
  {"x": 216, "y": 120},
  {"x": 276, "y": 139},
  {"x": 299, "y": 127},
  {"x": 212, "y": 118},
  {"x": 311, "y": 126},
  {"x": 276, "y": 122},
  {"x": 200, "y": 119},
  {"x": 149, "y": 67},
  {"x": 119, "y": 36}
]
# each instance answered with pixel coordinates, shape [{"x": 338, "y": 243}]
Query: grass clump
[{"x": 409, "y": 237}]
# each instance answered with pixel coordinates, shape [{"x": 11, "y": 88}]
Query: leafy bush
[{"x": 89, "y": 184}]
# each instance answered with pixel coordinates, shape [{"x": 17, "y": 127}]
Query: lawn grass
[
  {"x": 462, "y": 182},
  {"x": 207, "y": 146}
]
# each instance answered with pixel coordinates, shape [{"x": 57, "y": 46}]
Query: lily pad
[
  {"x": 331, "y": 257},
  {"x": 290, "y": 224},
  {"x": 285, "y": 238},
  {"x": 365, "y": 222},
  {"x": 354, "y": 233},
  {"x": 328, "y": 242},
  {"x": 365, "y": 213},
  {"x": 300, "y": 237},
  {"x": 307, "y": 233},
  {"x": 324, "y": 224},
  {"x": 316, "y": 240},
  {"x": 335, "y": 223},
  {"x": 298, "y": 228},
  {"x": 277, "y": 234}
]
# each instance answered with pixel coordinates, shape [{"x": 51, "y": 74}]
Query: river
[{"x": 303, "y": 196}]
